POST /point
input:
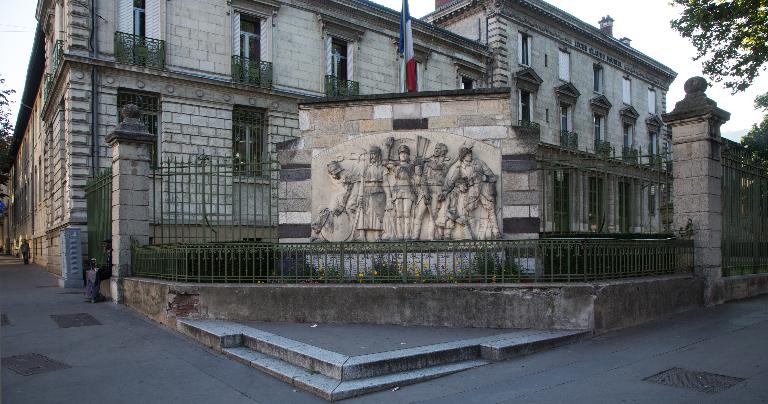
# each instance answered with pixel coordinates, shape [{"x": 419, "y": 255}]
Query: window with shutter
[
  {"x": 152, "y": 17},
  {"x": 139, "y": 18},
  {"x": 651, "y": 101},
  {"x": 125, "y": 16},
  {"x": 524, "y": 49},
  {"x": 627, "y": 91},
  {"x": 597, "y": 78},
  {"x": 565, "y": 66},
  {"x": 524, "y": 106}
]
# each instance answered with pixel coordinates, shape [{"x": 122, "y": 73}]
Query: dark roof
[{"x": 35, "y": 70}]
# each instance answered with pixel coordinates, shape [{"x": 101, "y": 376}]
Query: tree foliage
[
  {"x": 6, "y": 132},
  {"x": 730, "y": 36},
  {"x": 756, "y": 141}
]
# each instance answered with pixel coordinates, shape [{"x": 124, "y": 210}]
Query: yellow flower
[
  {"x": 375, "y": 273},
  {"x": 361, "y": 275}
]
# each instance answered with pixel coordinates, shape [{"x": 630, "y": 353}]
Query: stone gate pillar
[
  {"x": 697, "y": 184},
  {"x": 131, "y": 147}
]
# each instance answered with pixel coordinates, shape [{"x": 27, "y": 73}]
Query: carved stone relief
[{"x": 419, "y": 186}]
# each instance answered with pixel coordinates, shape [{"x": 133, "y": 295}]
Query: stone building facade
[
  {"x": 224, "y": 78},
  {"x": 197, "y": 69},
  {"x": 596, "y": 102}
]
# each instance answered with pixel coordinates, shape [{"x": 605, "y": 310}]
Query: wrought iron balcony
[
  {"x": 569, "y": 139},
  {"x": 655, "y": 160},
  {"x": 48, "y": 83},
  {"x": 57, "y": 55},
  {"x": 528, "y": 124},
  {"x": 603, "y": 148},
  {"x": 252, "y": 72},
  {"x": 630, "y": 154},
  {"x": 336, "y": 87},
  {"x": 139, "y": 50}
]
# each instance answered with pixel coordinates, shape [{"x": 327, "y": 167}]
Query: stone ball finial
[
  {"x": 696, "y": 85},
  {"x": 130, "y": 111}
]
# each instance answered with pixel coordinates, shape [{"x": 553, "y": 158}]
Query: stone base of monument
[{"x": 334, "y": 375}]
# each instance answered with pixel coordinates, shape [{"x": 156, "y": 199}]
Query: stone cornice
[
  {"x": 528, "y": 80},
  {"x": 629, "y": 114},
  {"x": 600, "y": 104},
  {"x": 567, "y": 93}
]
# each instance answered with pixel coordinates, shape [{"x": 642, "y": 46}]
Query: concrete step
[
  {"x": 334, "y": 376},
  {"x": 334, "y": 389}
]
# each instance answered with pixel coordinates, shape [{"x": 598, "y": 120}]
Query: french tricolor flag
[{"x": 406, "y": 48}]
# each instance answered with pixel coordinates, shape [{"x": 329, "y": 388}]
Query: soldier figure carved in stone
[
  {"x": 482, "y": 189},
  {"x": 371, "y": 199},
  {"x": 403, "y": 193},
  {"x": 430, "y": 178}
]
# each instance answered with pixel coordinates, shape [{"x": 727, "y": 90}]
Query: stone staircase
[{"x": 334, "y": 376}]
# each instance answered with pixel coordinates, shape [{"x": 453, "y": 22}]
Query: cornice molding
[{"x": 567, "y": 93}]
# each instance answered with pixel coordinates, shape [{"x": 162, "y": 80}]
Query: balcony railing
[
  {"x": 336, "y": 87},
  {"x": 139, "y": 50},
  {"x": 48, "y": 83},
  {"x": 603, "y": 148},
  {"x": 528, "y": 124},
  {"x": 252, "y": 72},
  {"x": 655, "y": 160},
  {"x": 569, "y": 139},
  {"x": 630, "y": 154},
  {"x": 57, "y": 55}
]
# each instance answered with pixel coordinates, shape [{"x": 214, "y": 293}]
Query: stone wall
[
  {"x": 590, "y": 306},
  {"x": 476, "y": 115}
]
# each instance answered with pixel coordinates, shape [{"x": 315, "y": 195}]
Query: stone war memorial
[{"x": 376, "y": 190}]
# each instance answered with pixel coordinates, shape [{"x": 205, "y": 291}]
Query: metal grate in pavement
[
  {"x": 32, "y": 364},
  {"x": 72, "y": 293},
  {"x": 74, "y": 320},
  {"x": 704, "y": 382},
  {"x": 4, "y": 320}
]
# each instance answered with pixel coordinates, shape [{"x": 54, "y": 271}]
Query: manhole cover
[
  {"x": 4, "y": 320},
  {"x": 32, "y": 364},
  {"x": 74, "y": 320},
  {"x": 690, "y": 379},
  {"x": 71, "y": 293}
]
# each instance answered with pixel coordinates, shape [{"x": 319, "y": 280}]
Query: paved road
[{"x": 128, "y": 359}]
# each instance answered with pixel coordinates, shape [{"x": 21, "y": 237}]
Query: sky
[{"x": 646, "y": 23}]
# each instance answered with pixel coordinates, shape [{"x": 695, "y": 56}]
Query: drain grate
[
  {"x": 74, "y": 320},
  {"x": 704, "y": 382},
  {"x": 32, "y": 364},
  {"x": 4, "y": 320},
  {"x": 72, "y": 293}
]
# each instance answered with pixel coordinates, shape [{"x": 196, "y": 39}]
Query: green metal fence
[
  {"x": 204, "y": 199},
  {"x": 745, "y": 212},
  {"x": 98, "y": 194},
  {"x": 502, "y": 261}
]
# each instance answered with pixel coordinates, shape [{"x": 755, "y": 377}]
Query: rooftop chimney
[
  {"x": 606, "y": 25},
  {"x": 442, "y": 3},
  {"x": 626, "y": 42}
]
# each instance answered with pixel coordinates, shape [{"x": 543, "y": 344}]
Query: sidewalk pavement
[{"x": 129, "y": 359}]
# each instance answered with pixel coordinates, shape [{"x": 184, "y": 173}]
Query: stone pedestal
[
  {"x": 697, "y": 186},
  {"x": 131, "y": 147}
]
